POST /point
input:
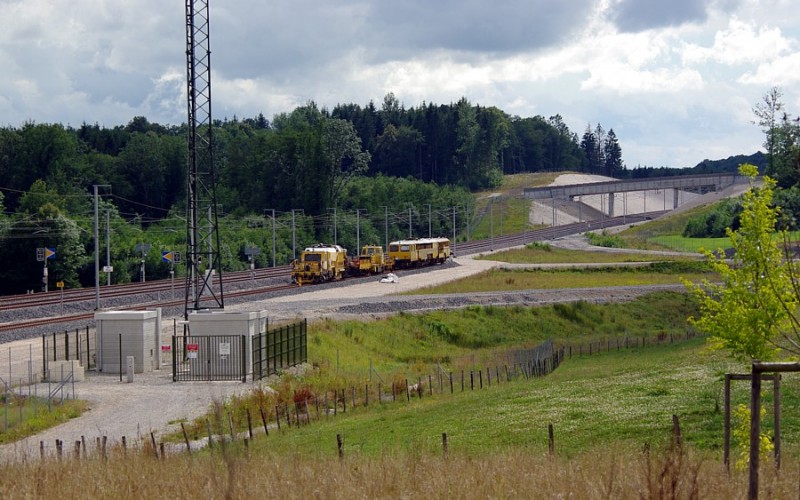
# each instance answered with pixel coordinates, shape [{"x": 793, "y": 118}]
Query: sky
[{"x": 676, "y": 80}]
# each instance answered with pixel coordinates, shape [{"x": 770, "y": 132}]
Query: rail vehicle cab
[
  {"x": 319, "y": 263},
  {"x": 372, "y": 260}
]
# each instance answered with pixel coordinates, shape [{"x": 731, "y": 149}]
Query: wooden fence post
[
  {"x": 551, "y": 446},
  {"x": 444, "y": 444},
  {"x": 340, "y": 446},
  {"x": 153, "y": 440},
  {"x": 264, "y": 420},
  {"x": 676, "y": 431},
  {"x": 186, "y": 438}
]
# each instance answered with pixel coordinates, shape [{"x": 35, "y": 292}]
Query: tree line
[{"x": 392, "y": 172}]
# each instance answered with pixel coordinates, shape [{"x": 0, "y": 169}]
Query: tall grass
[{"x": 607, "y": 473}]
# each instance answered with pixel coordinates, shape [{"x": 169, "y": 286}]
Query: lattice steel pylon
[{"x": 203, "y": 263}]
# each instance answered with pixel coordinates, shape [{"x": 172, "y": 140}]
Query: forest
[{"x": 304, "y": 176}]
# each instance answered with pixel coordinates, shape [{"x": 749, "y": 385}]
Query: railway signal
[{"x": 43, "y": 254}]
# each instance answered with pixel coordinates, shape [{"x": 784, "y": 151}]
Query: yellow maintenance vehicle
[
  {"x": 371, "y": 260},
  {"x": 320, "y": 263}
]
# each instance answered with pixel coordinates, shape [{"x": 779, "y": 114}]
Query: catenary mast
[{"x": 203, "y": 266}]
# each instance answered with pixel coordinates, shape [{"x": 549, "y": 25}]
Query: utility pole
[
  {"x": 294, "y": 244},
  {"x": 108, "y": 249},
  {"x": 96, "y": 254},
  {"x": 97, "y": 247},
  {"x": 386, "y": 226},
  {"x": 491, "y": 224},
  {"x": 358, "y": 230},
  {"x": 454, "y": 229},
  {"x": 273, "y": 236},
  {"x": 429, "y": 220}
]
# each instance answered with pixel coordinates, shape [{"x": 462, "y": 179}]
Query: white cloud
[
  {"x": 740, "y": 43},
  {"x": 676, "y": 82}
]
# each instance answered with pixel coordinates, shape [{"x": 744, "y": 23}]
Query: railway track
[{"x": 242, "y": 284}]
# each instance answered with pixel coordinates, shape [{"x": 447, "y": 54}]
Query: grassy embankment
[{"x": 604, "y": 409}]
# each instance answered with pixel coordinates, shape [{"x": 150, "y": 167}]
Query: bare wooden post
[
  {"x": 366, "y": 394},
  {"x": 161, "y": 447},
  {"x": 726, "y": 424},
  {"x": 59, "y": 447},
  {"x": 676, "y": 431},
  {"x": 264, "y": 421},
  {"x": 186, "y": 438},
  {"x": 340, "y": 446},
  {"x": 551, "y": 445},
  {"x": 78, "y": 448},
  {"x": 444, "y": 444},
  {"x": 755, "y": 431},
  {"x": 408, "y": 392},
  {"x": 288, "y": 416},
  {"x": 353, "y": 396},
  {"x": 278, "y": 417},
  {"x": 210, "y": 436},
  {"x": 776, "y": 396},
  {"x": 105, "y": 442},
  {"x": 344, "y": 402},
  {"x": 124, "y": 445},
  {"x": 480, "y": 378},
  {"x": 41, "y": 449},
  {"x": 153, "y": 440},
  {"x": 451, "y": 382},
  {"x": 249, "y": 424},
  {"x": 83, "y": 442},
  {"x": 380, "y": 391}
]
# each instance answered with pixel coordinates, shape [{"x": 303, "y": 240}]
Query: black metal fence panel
[
  {"x": 68, "y": 345},
  {"x": 209, "y": 357},
  {"x": 280, "y": 348}
]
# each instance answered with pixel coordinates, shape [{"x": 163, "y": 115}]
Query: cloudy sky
[{"x": 676, "y": 80}]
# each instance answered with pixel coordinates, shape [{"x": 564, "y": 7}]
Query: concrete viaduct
[{"x": 700, "y": 184}]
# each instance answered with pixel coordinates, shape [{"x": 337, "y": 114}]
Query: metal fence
[
  {"x": 209, "y": 357},
  {"x": 78, "y": 345},
  {"x": 280, "y": 348}
]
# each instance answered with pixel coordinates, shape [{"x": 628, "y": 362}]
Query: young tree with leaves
[{"x": 754, "y": 311}]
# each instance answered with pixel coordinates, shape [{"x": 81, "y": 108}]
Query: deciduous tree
[{"x": 753, "y": 312}]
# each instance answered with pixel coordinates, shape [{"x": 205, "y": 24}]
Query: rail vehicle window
[
  {"x": 392, "y": 248},
  {"x": 312, "y": 257},
  {"x": 404, "y": 248},
  {"x": 425, "y": 246}
]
